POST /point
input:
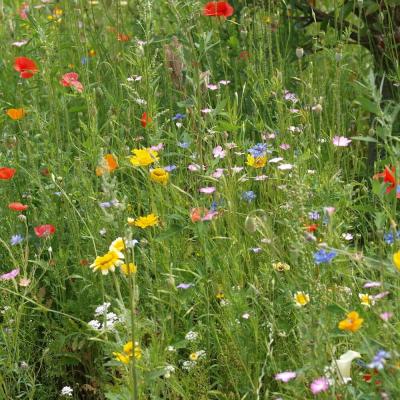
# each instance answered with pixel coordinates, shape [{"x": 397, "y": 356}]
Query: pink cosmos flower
[
  {"x": 329, "y": 210},
  {"x": 385, "y": 316},
  {"x": 285, "y": 376},
  {"x": 206, "y": 110},
  {"x": 218, "y": 152},
  {"x": 9, "y": 275},
  {"x": 380, "y": 295},
  {"x": 319, "y": 385},
  {"x": 218, "y": 173},
  {"x": 207, "y": 190},
  {"x": 24, "y": 10},
  {"x": 194, "y": 167},
  {"x": 285, "y": 146},
  {"x": 70, "y": 79},
  {"x": 341, "y": 141}
]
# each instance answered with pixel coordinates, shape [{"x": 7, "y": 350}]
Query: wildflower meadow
[{"x": 199, "y": 199}]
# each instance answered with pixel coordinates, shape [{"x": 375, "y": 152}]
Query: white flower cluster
[
  {"x": 191, "y": 336},
  {"x": 111, "y": 319}
]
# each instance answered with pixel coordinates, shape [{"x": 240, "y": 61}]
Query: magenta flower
[
  {"x": 319, "y": 385},
  {"x": 285, "y": 376},
  {"x": 341, "y": 141},
  {"x": 9, "y": 275}
]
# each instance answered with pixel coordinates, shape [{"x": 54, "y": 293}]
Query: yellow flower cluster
[{"x": 128, "y": 352}]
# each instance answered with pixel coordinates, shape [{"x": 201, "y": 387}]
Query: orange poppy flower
[
  {"x": 16, "y": 113},
  {"x": 110, "y": 163}
]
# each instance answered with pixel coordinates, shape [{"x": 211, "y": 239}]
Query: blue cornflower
[
  {"x": 16, "y": 239},
  {"x": 184, "y": 145},
  {"x": 178, "y": 116},
  {"x": 170, "y": 168},
  {"x": 314, "y": 215},
  {"x": 248, "y": 196},
  {"x": 379, "y": 360},
  {"x": 258, "y": 150},
  {"x": 322, "y": 256},
  {"x": 84, "y": 60},
  {"x": 388, "y": 237}
]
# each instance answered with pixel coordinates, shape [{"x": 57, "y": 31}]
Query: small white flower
[
  {"x": 100, "y": 310},
  {"x": 246, "y": 316},
  {"x": 171, "y": 349},
  {"x": 67, "y": 391},
  {"x": 94, "y": 324},
  {"x": 347, "y": 236},
  {"x": 187, "y": 365},
  {"x": 191, "y": 336}
]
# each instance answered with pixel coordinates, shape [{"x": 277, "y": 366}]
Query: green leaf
[
  {"x": 369, "y": 105},
  {"x": 364, "y": 139}
]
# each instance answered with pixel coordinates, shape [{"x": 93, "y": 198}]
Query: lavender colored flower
[
  {"x": 322, "y": 256},
  {"x": 184, "y": 286},
  {"x": 9, "y": 275},
  {"x": 388, "y": 237},
  {"x": 170, "y": 168},
  {"x": 248, "y": 196},
  {"x": 290, "y": 97},
  {"x": 16, "y": 239},
  {"x": 258, "y": 150},
  {"x": 184, "y": 145},
  {"x": 379, "y": 359},
  {"x": 314, "y": 215}
]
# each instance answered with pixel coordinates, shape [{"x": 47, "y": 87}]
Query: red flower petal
[
  {"x": 17, "y": 206},
  {"x": 44, "y": 230},
  {"x": 144, "y": 120},
  {"x": 26, "y": 67},
  {"x": 218, "y": 9},
  {"x": 7, "y": 173}
]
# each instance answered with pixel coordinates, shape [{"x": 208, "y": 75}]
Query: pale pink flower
[
  {"x": 285, "y": 376},
  {"x": 341, "y": 141},
  {"x": 157, "y": 147},
  {"x": 368, "y": 285},
  {"x": 207, "y": 190},
  {"x": 230, "y": 146},
  {"x": 212, "y": 86},
  {"x": 24, "y": 282},
  {"x": 20, "y": 44},
  {"x": 218, "y": 152},
  {"x": 380, "y": 295},
  {"x": 218, "y": 173},
  {"x": 235, "y": 170},
  {"x": 385, "y": 316},
  {"x": 329, "y": 210},
  {"x": 194, "y": 167},
  {"x": 206, "y": 110},
  {"x": 285, "y": 146}
]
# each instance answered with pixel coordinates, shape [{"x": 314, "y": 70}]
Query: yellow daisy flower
[
  {"x": 159, "y": 175},
  {"x": 108, "y": 262},
  {"x": 144, "y": 222},
  {"x": 143, "y": 157}
]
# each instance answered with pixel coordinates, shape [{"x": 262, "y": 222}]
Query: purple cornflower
[
  {"x": 16, "y": 239},
  {"x": 248, "y": 196},
  {"x": 314, "y": 215},
  {"x": 183, "y": 145},
  {"x": 379, "y": 360},
  {"x": 322, "y": 256}
]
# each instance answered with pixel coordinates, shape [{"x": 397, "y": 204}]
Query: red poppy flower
[
  {"x": 388, "y": 176},
  {"x": 44, "y": 230},
  {"x": 312, "y": 227},
  {"x": 7, "y": 173},
  {"x": 17, "y": 206},
  {"x": 218, "y": 9},
  {"x": 71, "y": 79},
  {"x": 26, "y": 67},
  {"x": 144, "y": 120}
]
